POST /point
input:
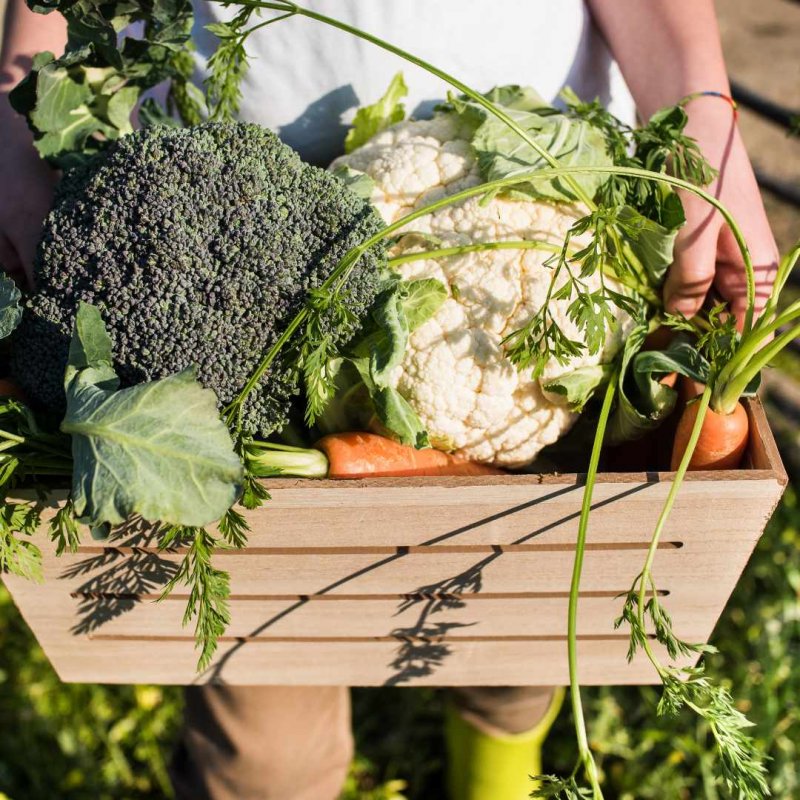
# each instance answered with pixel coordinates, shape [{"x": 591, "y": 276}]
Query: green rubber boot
[{"x": 485, "y": 767}]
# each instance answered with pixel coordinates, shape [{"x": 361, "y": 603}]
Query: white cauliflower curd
[{"x": 455, "y": 373}]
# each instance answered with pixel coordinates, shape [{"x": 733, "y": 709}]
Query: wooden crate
[{"x": 438, "y": 581}]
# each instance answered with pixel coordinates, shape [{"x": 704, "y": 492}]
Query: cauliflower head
[{"x": 455, "y": 373}]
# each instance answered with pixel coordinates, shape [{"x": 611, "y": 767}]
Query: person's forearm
[
  {"x": 666, "y": 49},
  {"x": 25, "y": 34}
]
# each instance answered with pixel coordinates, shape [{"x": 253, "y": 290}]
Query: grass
[{"x": 85, "y": 742}]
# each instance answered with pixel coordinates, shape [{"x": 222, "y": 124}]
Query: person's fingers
[
  {"x": 692, "y": 272},
  {"x": 731, "y": 277}
]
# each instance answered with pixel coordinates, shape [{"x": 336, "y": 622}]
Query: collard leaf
[
  {"x": 375, "y": 118},
  {"x": 10, "y": 309},
  {"x": 79, "y": 102},
  {"x": 648, "y": 243},
  {"x": 158, "y": 449}
]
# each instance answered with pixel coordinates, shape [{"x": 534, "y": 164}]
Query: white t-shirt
[{"x": 307, "y": 78}]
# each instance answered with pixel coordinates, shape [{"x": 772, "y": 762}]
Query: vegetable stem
[
  {"x": 646, "y": 575},
  {"x": 727, "y": 394},
  {"x": 265, "y": 459},
  {"x": 572, "y": 622}
]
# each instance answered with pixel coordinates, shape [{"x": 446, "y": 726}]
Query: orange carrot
[
  {"x": 10, "y": 389},
  {"x": 723, "y": 438},
  {"x": 367, "y": 455}
]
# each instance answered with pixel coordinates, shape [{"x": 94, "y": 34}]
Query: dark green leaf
[
  {"x": 389, "y": 346},
  {"x": 158, "y": 449},
  {"x": 10, "y": 309},
  {"x": 649, "y": 244},
  {"x": 152, "y": 114}
]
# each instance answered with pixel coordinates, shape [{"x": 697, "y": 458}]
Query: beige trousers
[{"x": 295, "y": 743}]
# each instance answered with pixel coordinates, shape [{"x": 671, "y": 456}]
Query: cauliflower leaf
[{"x": 375, "y": 118}]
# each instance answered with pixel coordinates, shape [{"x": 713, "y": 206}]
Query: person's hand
[
  {"x": 707, "y": 257},
  {"x": 26, "y": 192}
]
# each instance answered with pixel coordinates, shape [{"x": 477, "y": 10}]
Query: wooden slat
[
  {"x": 401, "y": 572},
  {"x": 504, "y": 663},
  {"x": 354, "y": 616},
  {"x": 337, "y": 514}
]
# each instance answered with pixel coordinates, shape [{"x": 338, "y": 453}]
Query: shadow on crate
[
  {"x": 127, "y": 575},
  {"x": 129, "y": 568}
]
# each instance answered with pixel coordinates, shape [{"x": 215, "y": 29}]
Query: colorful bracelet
[{"x": 727, "y": 98}]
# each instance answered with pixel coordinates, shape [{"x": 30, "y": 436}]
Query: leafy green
[
  {"x": 398, "y": 311},
  {"x": 18, "y": 554},
  {"x": 372, "y": 119},
  {"x": 643, "y": 401},
  {"x": 10, "y": 309},
  {"x": 579, "y": 385},
  {"x": 502, "y": 153},
  {"x": 388, "y": 346},
  {"x": 78, "y": 102},
  {"x": 648, "y": 246},
  {"x": 158, "y": 449},
  {"x": 632, "y": 232},
  {"x": 399, "y": 417},
  {"x": 209, "y": 587}
]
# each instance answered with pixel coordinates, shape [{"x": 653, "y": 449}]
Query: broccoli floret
[{"x": 198, "y": 245}]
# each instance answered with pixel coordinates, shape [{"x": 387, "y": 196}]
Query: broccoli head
[{"x": 198, "y": 245}]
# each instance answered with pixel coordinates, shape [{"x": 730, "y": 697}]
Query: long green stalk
[
  {"x": 584, "y": 751},
  {"x": 447, "y": 252},
  {"x": 646, "y": 575},
  {"x": 729, "y": 393}
]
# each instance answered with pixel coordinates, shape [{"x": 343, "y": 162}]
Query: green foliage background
[{"x": 83, "y": 742}]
